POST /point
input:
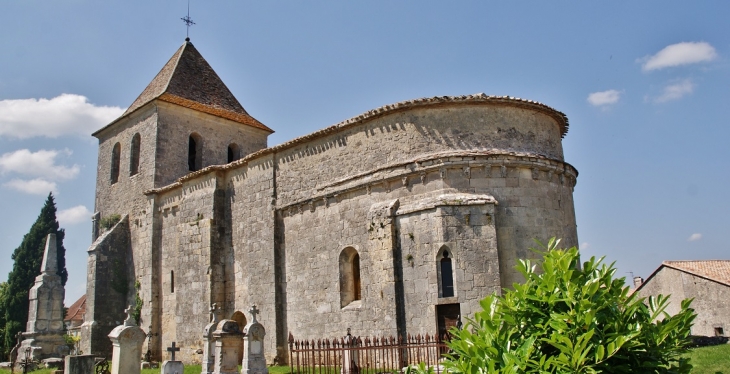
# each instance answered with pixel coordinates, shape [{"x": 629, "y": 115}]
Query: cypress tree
[{"x": 27, "y": 265}]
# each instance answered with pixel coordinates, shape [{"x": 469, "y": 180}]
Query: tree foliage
[
  {"x": 27, "y": 265},
  {"x": 564, "y": 319}
]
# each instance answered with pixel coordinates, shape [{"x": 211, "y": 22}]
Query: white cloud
[
  {"x": 62, "y": 115},
  {"x": 694, "y": 237},
  {"x": 37, "y": 164},
  {"x": 603, "y": 98},
  {"x": 585, "y": 245},
  {"x": 72, "y": 216},
  {"x": 676, "y": 91},
  {"x": 34, "y": 186},
  {"x": 679, "y": 54}
]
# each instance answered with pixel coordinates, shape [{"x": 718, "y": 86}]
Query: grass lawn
[{"x": 710, "y": 360}]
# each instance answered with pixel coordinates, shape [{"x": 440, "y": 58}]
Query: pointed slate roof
[{"x": 188, "y": 80}]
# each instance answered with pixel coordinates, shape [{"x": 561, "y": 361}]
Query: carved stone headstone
[
  {"x": 208, "y": 361},
  {"x": 127, "y": 342},
  {"x": 81, "y": 364},
  {"x": 172, "y": 366},
  {"x": 44, "y": 330},
  {"x": 227, "y": 338},
  {"x": 254, "y": 361}
]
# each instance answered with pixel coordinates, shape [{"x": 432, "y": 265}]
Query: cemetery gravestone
[
  {"x": 227, "y": 338},
  {"x": 81, "y": 364},
  {"x": 172, "y": 366},
  {"x": 254, "y": 361},
  {"x": 44, "y": 330},
  {"x": 208, "y": 362},
  {"x": 127, "y": 342}
]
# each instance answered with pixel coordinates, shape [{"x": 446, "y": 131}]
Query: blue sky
[{"x": 646, "y": 86}]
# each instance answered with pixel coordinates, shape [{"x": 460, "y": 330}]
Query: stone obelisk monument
[{"x": 44, "y": 331}]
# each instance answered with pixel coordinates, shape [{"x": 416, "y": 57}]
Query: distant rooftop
[
  {"x": 715, "y": 270},
  {"x": 76, "y": 310}
]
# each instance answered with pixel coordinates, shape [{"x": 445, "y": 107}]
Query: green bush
[{"x": 564, "y": 319}]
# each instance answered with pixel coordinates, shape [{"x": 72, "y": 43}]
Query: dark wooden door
[{"x": 447, "y": 316}]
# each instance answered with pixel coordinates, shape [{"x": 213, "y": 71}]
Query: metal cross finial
[
  {"x": 172, "y": 351},
  {"x": 188, "y": 22},
  {"x": 253, "y": 312}
]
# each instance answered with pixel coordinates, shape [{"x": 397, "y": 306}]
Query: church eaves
[{"x": 188, "y": 80}]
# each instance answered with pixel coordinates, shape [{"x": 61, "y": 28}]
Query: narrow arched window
[
  {"x": 349, "y": 276},
  {"x": 134, "y": 155},
  {"x": 233, "y": 152},
  {"x": 195, "y": 152},
  {"x": 114, "y": 177},
  {"x": 446, "y": 275},
  {"x": 172, "y": 281}
]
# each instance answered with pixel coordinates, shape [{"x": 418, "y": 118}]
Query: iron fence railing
[{"x": 369, "y": 355}]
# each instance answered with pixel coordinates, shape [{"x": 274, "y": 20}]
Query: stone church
[{"x": 396, "y": 221}]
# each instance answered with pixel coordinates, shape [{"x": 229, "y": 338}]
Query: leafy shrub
[
  {"x": 563, "y": 319},
  {"x": 71, "y": 340},
  {"x": 109, "y": 221}
]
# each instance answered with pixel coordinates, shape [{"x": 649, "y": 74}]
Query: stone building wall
[
  {"x": 174, "y": 128},
  {"x": 126, "y": 195},
  {"x": 398, "y": 186},
  {"x": 711, "y": 299},
  {"x": 254, "y": 251},
  {"x": 107, "y": 288}
]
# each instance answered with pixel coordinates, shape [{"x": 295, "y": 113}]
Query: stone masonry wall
[
  {"x": 468, "y": 233},
  {"x": 269, "y": 230},
  {"x": 326, "y": 188},
  {"x": 711, "y": 299},
  {"x": 250, "y": 195},
  {"x": 511, "y": 153},
  {"x": 107, "y": 285},
  {"x": 175, "y": 126},
  {"x": 190, "y": 263},
  {"x": 125, "y": 196}
]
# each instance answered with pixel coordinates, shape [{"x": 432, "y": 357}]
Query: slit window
[
  {"x": 172, "y": 281},
  {"x": 194, "y": 152},
  {"x": 134, "y": 155},
  {"x": 446, "y": 274},
  {"x": 114, "y": 177}
]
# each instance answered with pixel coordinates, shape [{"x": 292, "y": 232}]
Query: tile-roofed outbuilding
[
  {"x": 189, "y": 81},
  {"x": 76, "y": 310},
  {"x": 715, "y": 270}
]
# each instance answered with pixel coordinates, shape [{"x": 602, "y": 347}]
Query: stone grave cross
[
  {"x": 254, "y": 312},
  {"x": 130, "y": 320},
  {"x": 214, "y": 310},
  {"x": 172, "y": 351}
]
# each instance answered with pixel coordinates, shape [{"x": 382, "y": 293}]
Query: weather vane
[{"x": 188, "y": 22}]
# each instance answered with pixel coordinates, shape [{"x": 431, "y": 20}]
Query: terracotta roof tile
[
  {"x": 227, "y": 114},
  {"x": 716, "y": 270},
  {"x": 76, "y": 310}
]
